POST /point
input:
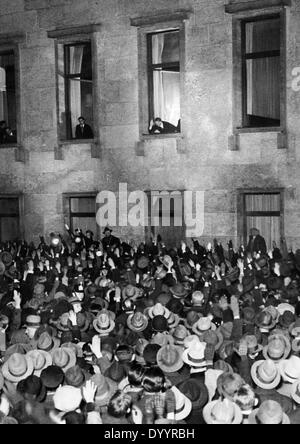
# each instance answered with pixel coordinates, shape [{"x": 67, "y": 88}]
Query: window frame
[
  {"x": 69, "y": 215},
  {"x": 242, "y": 213},
  {"x": 246, "y": 56},
  {"x": 6, "y": 48},
  {"x": 155, "y": 25},
  {"x": 20, "y": 214},
  {"x": 237, "y": 78}
]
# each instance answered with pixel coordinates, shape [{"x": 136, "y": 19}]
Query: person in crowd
[{"x": 102, "y": 331}]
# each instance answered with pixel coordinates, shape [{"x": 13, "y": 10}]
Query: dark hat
[
  {"x": 75, "y": 376},
  {"x": 6, "y": 258},
  {"x": 196, "y": 391},
  {"x": 164, "y": 299},
  {"x": 52, "y": 377},
  {"x": 274, "y": 283},
  {"x": 179, "y": 291},
  {"x": 286, "y": 319},
  {"x": 175, "y": 306},
  {"x": 107, "y": 229},
  {"x": 150, "y": 354},
  {"x": 143, "y": 262},
  {"x": 32, "y": 385},
  {"x": 248, "y": 315},
  {"x": 160, "y": 324},
  {"x": 116, "y": 372}
]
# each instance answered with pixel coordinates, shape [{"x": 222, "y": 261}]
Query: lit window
[{"x": 8, "y": 113}]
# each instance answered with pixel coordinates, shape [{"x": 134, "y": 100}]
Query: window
[
  {"x": 166, "y": 216},
  {"x": 9, "y": 219},
  {"x": 264, "y": 211},
  {"x": 75, "y": 89},
  {"x": 80, "y": 211},
  {"x": 164, "y": 78},
  {"x": 8, "y": 109},
  {"x": 261, "y": 72}
]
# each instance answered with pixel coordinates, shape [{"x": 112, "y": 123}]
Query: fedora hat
[
  {"x": 130, "y": 292},
  {"x": 76, "y": 347},
  {"x": 295, "y": 392},
  {"x": 179, "y": 334},
  {"x": 20, "y": 348},
  {"x": 194, "y": 355},
  {"x": 67, "y": 398},
  {"x": 183, "y": 405},
  {"x": 158, "y": 310},
  {"x": 222, "y": 412},
  {"x": 46, "y": 342},
  {"x": 269, "y": 412},
  {"x": 252, "y": 344},
  {"x": 33, "y": 321},
  {"x": 296, "y": 345},
  {"x": 164, "y": 298},
  {"x": 142, "y": 262},
  {"x": 179, "y": 291},
  {"x": 62, "y": 323},
  {"x": 173, "y": 320},
  {"x": 162, "y": 339},
  {"x": 283, "y": 307},
  {"x": 137, "y": 321},
  {"x": 17, "y": 367},
  {"x": 290, "y": 369},
  {"x": 265, "y": 374},
  {"x": 222, "y": 365},
  {"x": 286, "y": 319},
  {"x": 75, "y": 376},
  {"x": 294, "y": 328},
  {"x": 265, "y": 320},
  {"x": 191, "y": 318},
  {"x": 213, "y": 338},
  {"x": 248, "y": 315},
  {"x": 6, "y": 258},
  {"x": 278, "y": 348},
  {"x": 98, "y": 304},
  {"x": 63, "y": 357},
  {"x": 196, "y": 391},
  {"x": 106, "y": 387},
  {"x": 159, "y": 324},
  {"x": 41, "y": 359},
  {"x": 202, "y": 325},
  {"x": 103, "y": 323},
  {"x": 169, "y": 358}
]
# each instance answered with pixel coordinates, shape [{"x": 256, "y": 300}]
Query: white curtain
[
  {"x": 166, "y": 86},
  {"x": 76, "y": 56}
]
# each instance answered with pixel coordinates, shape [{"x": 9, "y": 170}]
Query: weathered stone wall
[{"x": 205, "y": 163}]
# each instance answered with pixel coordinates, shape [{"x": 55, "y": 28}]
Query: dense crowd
[{"x": 111, "y": 332}]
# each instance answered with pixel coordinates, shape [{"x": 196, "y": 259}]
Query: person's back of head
[
  {"x": 135, "y": 374},
  {"x": 119, "y": 405},
  {"x": 154, "y": 380},
  {"x": 74, "y": 418}
]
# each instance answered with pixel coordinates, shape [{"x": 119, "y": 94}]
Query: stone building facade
[{"x": 213, "y": 153}]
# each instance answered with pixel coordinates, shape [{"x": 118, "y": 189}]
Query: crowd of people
[{"x": 111, "y": 332}]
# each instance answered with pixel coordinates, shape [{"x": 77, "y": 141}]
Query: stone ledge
[
  {"x": 233, "y": 8},
  {"x": 163, "y": 16},
  {"x": 73, "y": 30}
]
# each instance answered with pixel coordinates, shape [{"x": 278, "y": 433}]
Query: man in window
[
  {"x": 83, "y": 130},
  {"x": 257, "y": 243},
  {"x": 159, "y": 126},
  {"x": 6, "y": 134}
]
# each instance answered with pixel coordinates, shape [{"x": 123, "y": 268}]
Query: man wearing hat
[{"x": 109, "y": 241}]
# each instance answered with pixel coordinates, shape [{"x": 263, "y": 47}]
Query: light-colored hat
[
  {"x": 202, "y": 325},
  {"x": 169, "y": 358},
  {"x": 106, "y": 387},
  {"x": 41, "y": 359},
  {"x": 137, "y": 321},
  {"x": 103, "y": 323},
  {"x": 67, "y": 398},
  {"x": 194, "y": 355},
  {"x": 130, "y": 292},
  {"x": 63, "y": 357},
  {"x": 265, "y": 374},
  {"x": 33, "y": 321},
  {"x": 158, "y": 310},
  {"x": 183, "y": 405},
  {"x": 281, "y": 308},
  {"x": 270, "y": 412},
  {"x": 46, "y": 342},
  {"x": 179, "y": 334},
  {"x": 222, "y": 412},
  {"x": 295, "y": 393},
  {"x": 290, "y": 369},
  {"x": 173, "y": 320},
  {"x": 278, "y": 348},
  {"x": 17, "y": 367}
]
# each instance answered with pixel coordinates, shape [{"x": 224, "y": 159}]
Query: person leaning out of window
[
  {"x": 6, "y": 133},
  {"x": 159, "y": 126}
]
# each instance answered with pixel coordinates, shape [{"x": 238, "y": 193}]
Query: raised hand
[
  {"x": 88, "y": 391},
  {"x": 96, "y": 346}
]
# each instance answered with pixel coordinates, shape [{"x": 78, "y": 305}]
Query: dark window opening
[
  {"x": 8, "y": 109},
  {"x": 75, "y": 84},
  {"x": 164, "y": 82},
  {"x": 9, "y": 219},
  {"x": 81, "y": 213},
  {"x": 261, "y": 66}
]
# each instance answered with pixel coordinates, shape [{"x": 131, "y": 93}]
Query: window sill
[
  {"x": 77, "y": 142},
  {"x": 10, "y": 145},
  {"x": 162, "y": 136},
  {"x": 265, "y": 129}
]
